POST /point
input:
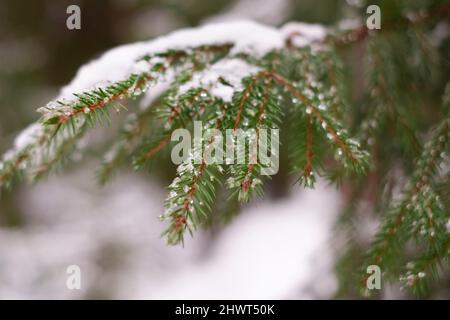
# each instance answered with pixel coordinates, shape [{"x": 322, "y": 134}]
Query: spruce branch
[
  {"x": 261, "y": 107},
  {"x": 226, "y": 86},
  {"x": 419, "y": 214},
  {"x": 192, "y": 192},
  {"x": 176, "y": 113},
  {"x": 350, "y": 148}
]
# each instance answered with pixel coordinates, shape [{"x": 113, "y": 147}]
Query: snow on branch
[{"x": 239, "y": 76}]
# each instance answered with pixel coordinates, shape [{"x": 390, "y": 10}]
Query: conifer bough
[{"x": 239, "y": 75}]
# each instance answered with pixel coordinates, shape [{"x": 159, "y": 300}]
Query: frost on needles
[{"x": 239, "y": 75}]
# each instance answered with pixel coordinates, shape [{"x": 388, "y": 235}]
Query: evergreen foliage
[{"x": 354, "y": 144}]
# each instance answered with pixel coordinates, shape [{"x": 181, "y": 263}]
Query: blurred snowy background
[{"x": 279, "y": 247}]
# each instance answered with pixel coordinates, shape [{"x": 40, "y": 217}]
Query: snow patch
[
  {"x": 303, "y": 34},
  {"x": 231, "y": 70},
  {"x": 118, "y": 63},
  {"x": 246, "y": 36},
  {"x": 440, "y": 33},
  {"x": 28, "y": 136}
]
